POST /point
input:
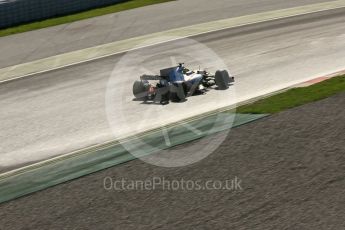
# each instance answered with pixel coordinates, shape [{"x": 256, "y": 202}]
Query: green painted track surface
[{"x": 41, "y": 176}]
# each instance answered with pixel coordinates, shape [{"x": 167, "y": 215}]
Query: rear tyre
[
  {"x": 177, "y": 92},
  {"x": 222, "y": 79},
  {"x": 140, "y": 89}
]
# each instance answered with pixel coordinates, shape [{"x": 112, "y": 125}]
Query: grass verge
[
  {"x": 295, "y": 97},
  {"x": 79, "y": 16}
]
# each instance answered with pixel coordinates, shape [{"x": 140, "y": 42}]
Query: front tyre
[{"x": 222, "y": 79}]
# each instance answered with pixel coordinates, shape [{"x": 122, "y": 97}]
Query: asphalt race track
[{"x": 56, "y": 112}]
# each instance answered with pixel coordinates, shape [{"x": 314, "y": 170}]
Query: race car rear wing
[
  {"x": 164, "y": 75},
  {"x": 152, "y": 77}
]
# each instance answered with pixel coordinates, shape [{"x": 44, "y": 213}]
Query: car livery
[{"x": 177, "y": 83}]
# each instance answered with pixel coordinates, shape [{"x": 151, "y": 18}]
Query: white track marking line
[{"x": 94, "y": 53}]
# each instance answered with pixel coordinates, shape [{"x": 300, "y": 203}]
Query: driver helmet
[{"x": 180, "y": 67}]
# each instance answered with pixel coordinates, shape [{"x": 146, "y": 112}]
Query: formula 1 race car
[{"x": 177, "y": 83}]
